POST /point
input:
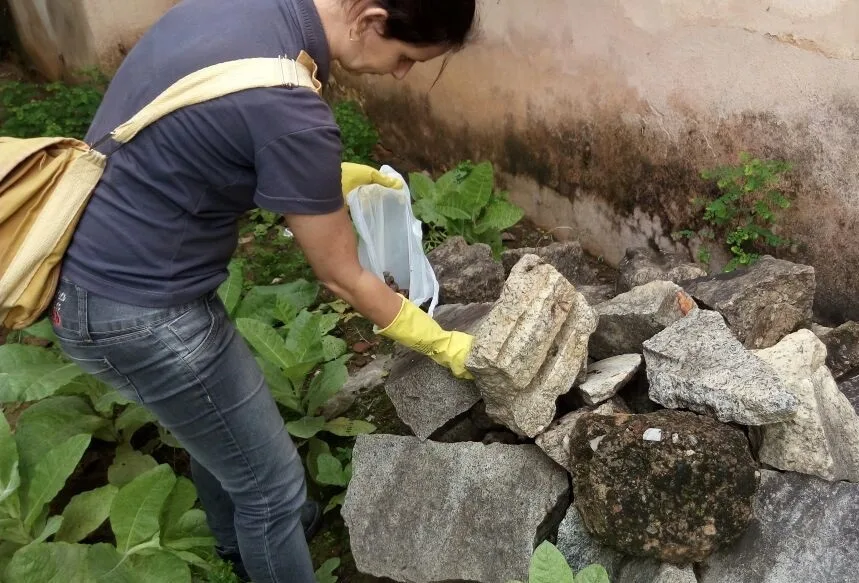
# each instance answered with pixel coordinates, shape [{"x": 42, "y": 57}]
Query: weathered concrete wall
[
  {"x": 61, "y": 37},
  {"x": 601, "y": 115}
]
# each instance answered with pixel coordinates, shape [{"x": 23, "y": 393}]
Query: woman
[{"x": 137, "y": 306}]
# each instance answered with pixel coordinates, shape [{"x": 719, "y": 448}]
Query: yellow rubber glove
[
  {"x": 415, "y": 329},
  {"x": 354, "y": 175}
]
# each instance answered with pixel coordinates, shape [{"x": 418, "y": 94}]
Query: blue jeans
[{"x": 195, "y": 373}]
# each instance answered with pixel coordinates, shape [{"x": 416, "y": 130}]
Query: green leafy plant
[
  {"x": 548, "y": 565},
  {"x": 303, "y": 364},
  {"x": 745, "y": 213},
  {"x": 30, "y": 110},
  {"x": 357, "y": 133},
  {"x": 158, "y": 533},
  {"x": 463, "y": 202}
]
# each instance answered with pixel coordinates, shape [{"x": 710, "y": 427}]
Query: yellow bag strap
[{"x": 219, "y": 80}]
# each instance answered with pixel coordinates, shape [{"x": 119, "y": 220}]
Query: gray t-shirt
[{"x": 163, "y": 222}]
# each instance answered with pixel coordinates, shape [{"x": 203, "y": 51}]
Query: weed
[
  {"x": 463, "y": 202},
  {"x": 744, "y": 215},
  {"x": 29, "y": 110},
  {"x": 357, "y": 133}
]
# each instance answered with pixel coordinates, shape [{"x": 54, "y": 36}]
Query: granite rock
[
  {"x": 531, "y": 347},
  {"x": 823, "y": 437},
  {"x": 419, "y": 511},
  {"x": 696, "y": 363},
  {"x": 629, "y": 319},
  {"x": 426, "y": 395},
  {"x": 762, "y": 303}
]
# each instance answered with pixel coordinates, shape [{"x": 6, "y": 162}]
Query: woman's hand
[{"x": 355, "y": 175}]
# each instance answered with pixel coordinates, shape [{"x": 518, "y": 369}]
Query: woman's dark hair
[{"x": 429, "y": 22}]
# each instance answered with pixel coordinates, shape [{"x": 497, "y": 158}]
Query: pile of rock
[{"x": 682, "y": 431}]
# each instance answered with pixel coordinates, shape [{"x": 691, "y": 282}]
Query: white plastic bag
[{"x": 391, "y": 239}]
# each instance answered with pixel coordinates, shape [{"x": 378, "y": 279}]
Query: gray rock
[
  {"x": 850, "y": 389},
  {"x": 466, "y": 273},
  {"x": 641, "y": 265},
  {"x": 696, "y": 363},
  {"x": 556, "y": 441},
  {"x": 581, "y": 550},
  {"x": 366, "y": 379},
  {"x": 842, "y": 349},
  {"x": 597, "y": 293},
  {"x": 567, "y": 257},
  {"x": 606, "y": 377},
  {"x": 762, "y": 303},
  {"x": 424, "y": 511},
  {"x": 805, "y": 529},
  {"x": 531, "y": 347},
  {"x": 670, "y": 485},
  {"x": 822, "y": 439},
  {"x": 629, "y": 319},
  {"x": 425, "y": 394}
]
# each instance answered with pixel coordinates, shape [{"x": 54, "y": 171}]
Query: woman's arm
[{"x": 330, "y": 245}]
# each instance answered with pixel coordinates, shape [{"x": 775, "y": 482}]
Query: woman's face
[{"x": 368, "y": 51}]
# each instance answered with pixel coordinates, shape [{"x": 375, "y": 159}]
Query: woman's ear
[{"x": 372, "y": 18}]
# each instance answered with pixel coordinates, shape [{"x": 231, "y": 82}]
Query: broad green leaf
[
  {"x": 280, "y": 386},
  {"x": 102, "y": 396},
  {"x": 180, "y": 501},
  {"x": 304, "y": 340},
  {"x": 257, "y": 306},
  {"x": 344, "y": 427},
  {"x": 42, "y": 329},
  {"x": 300, "y": 293},
  {"x": 452, "y": 212},
  {"x": 107, "y": 565},
  {"x": 326, "y": 384},
  {"x": 85, "y": 513},
  {"x": 266, "y": 342},
  {"x": 335, "y": 501},
  {"x": 49, "y": 475},
  {"x": 330, "y": 471},
  {"x": 297, "y": 375},
  {"x": 10, "y": 479},
  {"x": 548, "y": 565},
  {"x": 51, "y": 527},
  {"x": 162, "y": 567},
  {"x": 48, "y": 423},
  {"x": 315, "y": 448},
  {"x": 333, "y": 347},
  {"x": 49, "y": 563},
  {"x": 190, "y": 532},
  {"x": 31, "y": 373},
  {"x": 500, "y": 215},
  {"x": 426, "y": 211},
  {"x": 168, "y": 438},
  {"x": 327, "y": 322},
  {"x": 127, "y": 465},
  {"x": 133, "y": 418},
  {"x": 306, "y": 427},
  {"x": 136, "y": 510},
  {"x": 191, "y": 558},
  {"x": 284, "y": 310},
  {"x": 474, "y": 192},
  {"x": 421, "y": 186},
  {"x": 447, "y": 181},
  {"x": 230, "y": 291},
  {"x": 325, "y": 573},
  {"x": 592, "y": 574}
]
